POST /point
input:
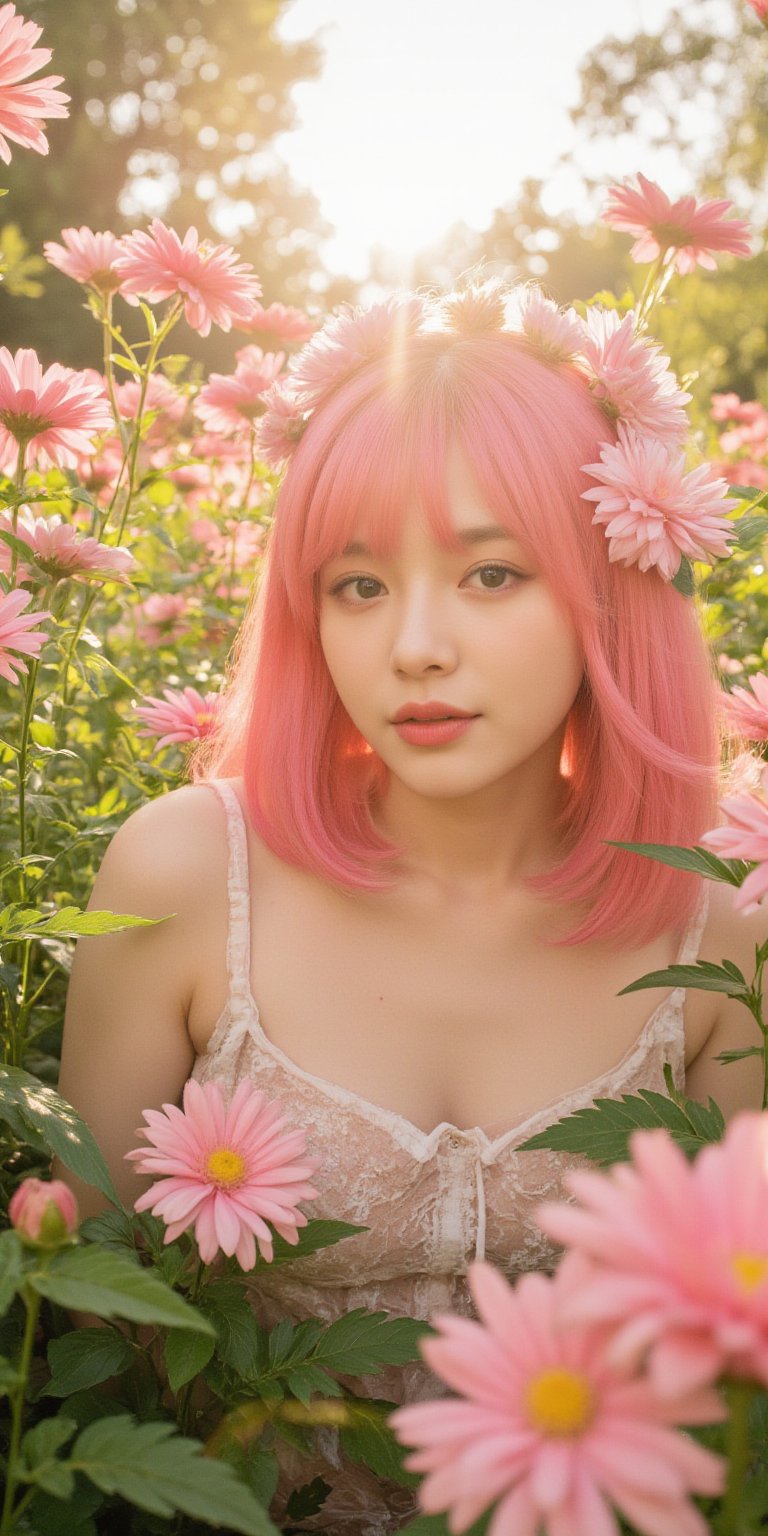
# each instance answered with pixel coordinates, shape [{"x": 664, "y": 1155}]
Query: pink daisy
[
  {"x": 162, "y": 618},
  {"x": 672, "y": 1256},
  {"x": 349, "y": 339},
  {"x": 556, "y": 332},
  {"x": 58, "y": 551},
  {"x": 745, "y": 838},
  {"x": 56, "y": 412},
  {"x": 15, "y": 633},
  {"x": 653, "y": 512},
  {"x": 87, "y": 256},
  {"x": 239, "y": 542},
  {"x": 548, "y": 1427},
  {"x": 281, "y": 426},
  {"x": 730, "y": 407},
  {"x": 230, "y": 402},
  {"x": 693, "y": 231},
  {"x": 227, "y": 1171},
  {"x": 631, "y": 377},
  {"x": 215, "y": 287},
  {"x": 280, "y": 324},
  {"x": 179, "y": 716},
  {"x": 23, "y": 105},
  {"x": 747, "y": 713}
]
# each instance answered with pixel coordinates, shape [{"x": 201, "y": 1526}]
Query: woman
[{"x": 414, "y": 935}]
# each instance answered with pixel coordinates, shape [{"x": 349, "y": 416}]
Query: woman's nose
[{"x": 423, "y": 634}]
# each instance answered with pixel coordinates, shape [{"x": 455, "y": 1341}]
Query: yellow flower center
[
  {"x": 559, "y": 1402},
  {"x": 225, "y": 1167},
  {"x": 204, "y": 717},
  {"x": 750, "y": 1270}
]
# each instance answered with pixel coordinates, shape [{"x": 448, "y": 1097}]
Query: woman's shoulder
[{"x": 172, "y": 847}]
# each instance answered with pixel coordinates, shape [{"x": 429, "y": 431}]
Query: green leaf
[
  {"x": 11, "y": 1255},
  {"x": 68, "y": 923},
  {"x": 726, "y": 1056},
  {"x": 85, "y": 1357},
  {"x": 186, "y": 1355},
  {"x": 241, "y": 1340},
  {"x": 683, "y": 580},
  {"x": 370, "y": 1442},
  {"x": 49, "y": 1116},
  {"x": 316, "y": 1235},
  {"x": 360, "y": 1341},
  {"x": 698, "y": 860},
  {"x": 53, "y": 1517},
  {"x": 436, "y": 1525},
  {"x": 747, "y": 492},
  {"x": 602, "y": 1131},
  {"x": 704, "y": 975},
  {"x": 41, "y": 1465},
  {"x": 102, "y": 1281},
  {"x": 160, "y": 1471},
  {"x": 113, "y": 1229},
  {"x": 306, "y": 1378},
  {"x": 9, "y": 1377}
]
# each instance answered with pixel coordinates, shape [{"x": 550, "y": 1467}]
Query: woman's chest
[{"x": 459, "y": 1015}]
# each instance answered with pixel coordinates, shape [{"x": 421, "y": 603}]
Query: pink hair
[{"x": 641, "y": 748}]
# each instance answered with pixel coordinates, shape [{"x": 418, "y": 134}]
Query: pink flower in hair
[
  {"x": 179, "y": 716},
  {"x": 546, "y": 1426},
  {"x": 673, "y": 1256},
  {"x": 631, "y": 377},
  {"x": 215, "y": 287},
  {"x": 747, "y": 713},
  {"x": 280, "y": 323},
  {"x": 558, "y": 333},
  {"x": 231, "y": 402},
  {"x": 349, "y": 339},
  {"x": 693, "y": 231},
  {"x": 746, "y": 838},
  {"x": 281, "y": 426},
  {"x": 652, "y": 511},
  {"x": 24, "y": 102},
  {"x": 87, "y": 256},
  {"x": 227, "y": 1170}
]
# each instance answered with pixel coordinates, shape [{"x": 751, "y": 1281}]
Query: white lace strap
[
  {"x": 689, "y": 950},
  {"x": 239, "y": 898}
]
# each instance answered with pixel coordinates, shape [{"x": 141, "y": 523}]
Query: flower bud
[{"x": 44, "y": 1213}]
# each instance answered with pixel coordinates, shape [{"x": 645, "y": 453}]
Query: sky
[{"x": 430, "y": 111}]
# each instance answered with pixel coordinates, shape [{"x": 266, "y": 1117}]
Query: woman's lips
[{"x": 432, "y": 733}]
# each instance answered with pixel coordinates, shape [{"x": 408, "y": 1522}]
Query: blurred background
[{"x": 345, "y": 148}]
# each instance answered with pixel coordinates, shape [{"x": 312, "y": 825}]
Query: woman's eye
[
  {"x": 499, "y": 571},
  {"x": 364, "y": 584},
  {"x": 354, "y": 581}
]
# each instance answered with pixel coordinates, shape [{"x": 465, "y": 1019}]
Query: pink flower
[
  {"x": 631, "y": 378},
  {"x": 166, "y": 406},
  {"x": 280, "y": 324},
  {"x": 239, "y": 542},
  {"x": 15, "y": 627},
  {"x": 22, "y": 106},
  {"x": 745, "y": 838},
  {"x": 760, "y": 8},
  {"x": 731, "y": 408},
  {"x": 652, "y": 510},
  {"x": 43, "y": 1212},
  {"x": 349, "y": 339},
  {"x": 747, "y": 713},
  {"x": 548, "y": 1427},
  {"x": 281, "y": 426},
  {"x": 673, "y": 1256},
  {"x": 162, "y": 618},
  {"x": 691, "y": 230},
  {"x": 228, "y": 403},
  {"x": 86, "y": 256},
  {"x": 56, "y": 412},
  {"x": 556, "y": 332},
  {"x": 215, "y": 287},
  {"x": 185, "y": 716},
  {"x": 59, "y": 551},
  {"x": 227, "y": 1171}
]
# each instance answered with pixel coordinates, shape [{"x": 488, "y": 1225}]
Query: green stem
[
  {"x": 17, "y": 504},
  {"x": 739, "y": 1395},
  {"x": 656, "y": 282},
  {"x": 32, "y": 1304}
]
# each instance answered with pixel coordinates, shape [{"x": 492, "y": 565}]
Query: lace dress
[{"x": 432, "y": 1201}]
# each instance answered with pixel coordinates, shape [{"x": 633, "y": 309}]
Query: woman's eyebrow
[{"x": 480, "y": 535}]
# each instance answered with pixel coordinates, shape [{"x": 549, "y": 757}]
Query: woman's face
[{"x": 479, "y": 630}]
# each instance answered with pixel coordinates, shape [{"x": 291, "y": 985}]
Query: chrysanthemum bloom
[
  {"x": 653, "y": 512},
  {"x": 215, "y": 287},
  {"x": 179, "y": 716},
  {"x": 227, "y": 1171},
  {"x": 162, "y": 617},
  {"x": 58, "y": 551},
  {"x": 56, "y": 412},
  {"x": 745, "y": 838},
  {"x": 280, "y": 324},
  {"x": 747, "y": 713},
  {"x": 546, "y": 1426},
  {"x": 692, "y": 230},
  {"x": 557, "y": 333},
  {"x": 87, "y": 256},
  {"x": 630, "y": 376},
  {"x": 281, "y": 426},
  {"x": 730, "y": 407},
  {"x": 752, "y": 435},
  {"x": 347, "y": 340},
  {"x": 23, "y": 106},
  {"x": 231, "y": 402},
  {"x": 16, "y": 633},
  {"x": 673, "y": 1256}
]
